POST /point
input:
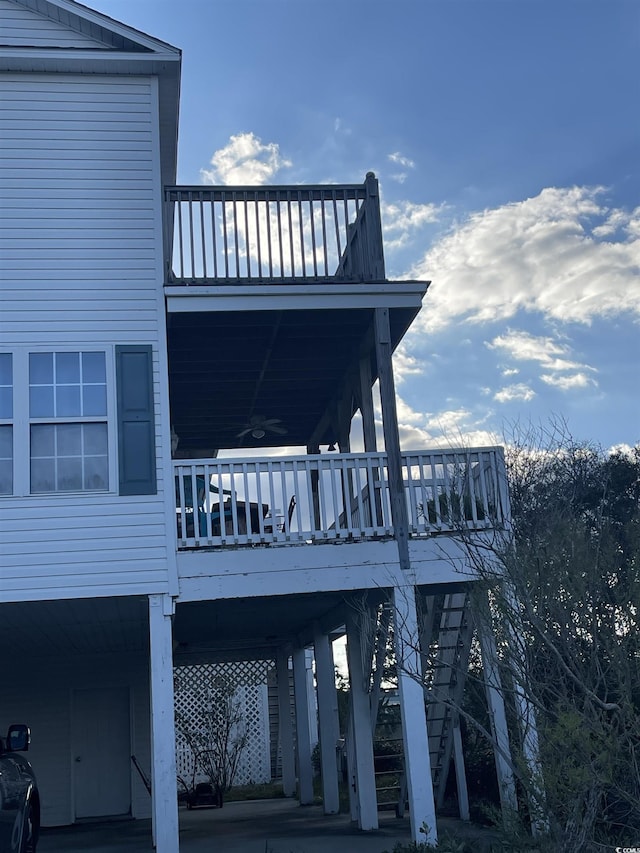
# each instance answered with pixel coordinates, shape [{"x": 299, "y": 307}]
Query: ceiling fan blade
[
  {"x": 244, "y": 432},
  {"x": 278, "y": 430}
]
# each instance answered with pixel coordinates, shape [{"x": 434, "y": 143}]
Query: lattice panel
[{"x": 247, "y": 681}]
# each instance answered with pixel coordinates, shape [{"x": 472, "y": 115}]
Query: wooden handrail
[
  {"x": 337, "y": 496},
  {"x": 274, "y": 233}
]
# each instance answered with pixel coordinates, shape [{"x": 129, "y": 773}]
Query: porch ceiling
[
  {"x": 293, "y": 365},
  {"x": 78, "y": 626},
  {"x": 224, "y": 629},
  {"x": 229, "y": 629}
]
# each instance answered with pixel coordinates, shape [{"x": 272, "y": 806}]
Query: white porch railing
[
  {"x": 214, "y": 235},
  {"x": 334, "y": 497}
]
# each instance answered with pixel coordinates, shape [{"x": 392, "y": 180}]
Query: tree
[
  {"x": 215, "y": 733},
  {"x": 564, "y": 586}
]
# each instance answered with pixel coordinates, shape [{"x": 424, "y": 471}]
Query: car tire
[{"x": 28, "y": 831}]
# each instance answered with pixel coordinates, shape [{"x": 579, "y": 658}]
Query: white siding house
[
  {"x": 152, "y": 339},
  {"x": 84, "y": 428}
]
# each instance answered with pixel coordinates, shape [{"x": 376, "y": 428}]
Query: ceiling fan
[{"x": 258, "y": 426}]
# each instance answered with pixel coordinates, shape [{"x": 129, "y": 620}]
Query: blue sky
[{"x": 506, "y": 137}]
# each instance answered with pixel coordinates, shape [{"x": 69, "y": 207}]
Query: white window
[
  {"x": 6, "y": 423},
  {"x": 68, "y": 422}
]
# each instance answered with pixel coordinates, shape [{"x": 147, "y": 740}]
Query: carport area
[
  {"x": 76, "y": 672},
  {"x": 259, "y": 826}
]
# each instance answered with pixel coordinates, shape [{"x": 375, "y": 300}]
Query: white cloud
[
  {"x": 566, "y": 383},
  {"x": 448, "y": 422},
  {"x": 406, "y": 415},
  {"x": 523, "y": 346},
  {"x": 543, "y": 254},
  {"x": 405, "y": 364},
  {"x": 520, "y": 391},
  {"x": 399, "y": 160},
  {"x": 245, "y": 160},
  {"x": 624, "y": 449},
  {"x": 616, "y": 219},
  {"x": 437, "y": 430},
  {"x": 551, "y": 355},
  {"x": 402, "y": 219},
  {"x": 632, "y": 228},
  {"x": 340, "y": 127},
  {"x": 510, "y": 371}
]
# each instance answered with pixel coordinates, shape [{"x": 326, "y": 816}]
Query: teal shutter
[{"x": 136, "y": 422}]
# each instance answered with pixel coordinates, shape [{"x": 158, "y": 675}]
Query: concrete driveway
[{"x": 257, "y": 826}]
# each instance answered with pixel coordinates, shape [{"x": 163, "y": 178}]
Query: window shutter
[{"x": 136, "y": 422}]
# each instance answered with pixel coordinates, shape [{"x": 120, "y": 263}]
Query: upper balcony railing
[
  {"x": 335, "y": 497},
  {"x": 217, "y": 235}
]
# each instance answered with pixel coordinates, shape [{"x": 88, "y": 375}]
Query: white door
[{"x": 101, "y": 752}]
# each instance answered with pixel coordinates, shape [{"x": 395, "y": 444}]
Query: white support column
[
  {"x": 417, "y": 762},
  {"x": 285, "y": 725},
  {"x": 328, "y": 716},
  {"x": 498, "y": 718},
  {"x": 312, "y": 703},
  {"x": 303, "y": 736},
  {"x": 163, "y": 738},
  {"x": 354, "y": 808},
  {"x": 461, "y": 776},
  {"x": 381, "y": 653},
  {"x": 365, "y": 780},
  {"x": 526, "y": 716},
  {"x": 524, "y": 707}
]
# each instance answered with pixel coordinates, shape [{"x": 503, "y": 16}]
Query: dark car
[{"x": 19, "y": 799}]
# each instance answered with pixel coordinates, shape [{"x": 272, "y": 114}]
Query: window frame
[
  {"x": 10, "y": 422},
  {"x": 22, "y": 420}
]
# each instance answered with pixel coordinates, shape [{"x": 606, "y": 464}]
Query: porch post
[
  {"x": 397, "y": 497},
  {"x": 285, "y": 725},
  {"x": 373, "y": 224},
  {"x": 163, "y": 738},
  {"x": 314, "y": 450},
  {"x": 415, "y": 738},
  {"x": 328, "y": 715},
  {"x": 524, "y": 707},
  {"x": 365, "y": 780},
  {"x": 303, "y": 735},
  {"x": 312, "y": 703},
  {"x": 461, "y": 775},
  {"x": 526, "y": 716},
  {"x": 381, "y": 653},
  {"x": 354, "y": 808},
  {"x": 498, "y": 718},
  {"x": 365, "y": 400}
]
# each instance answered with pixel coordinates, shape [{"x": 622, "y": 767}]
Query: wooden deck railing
[
  {"x": 229, "y": 502},
  {"x": 272, "y": 234}
]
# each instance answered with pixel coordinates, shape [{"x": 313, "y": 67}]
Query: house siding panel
[
  {"x": 22, "y": 27},
  {"x": 81, "y": 259}
]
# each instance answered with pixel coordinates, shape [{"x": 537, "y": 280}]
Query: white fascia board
[
  {"x": 238, "y": 573},
  {"x": 278, "y": 297},
  {"x": 256, "y": 583},
  {"x": 87, "y": 61}
]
